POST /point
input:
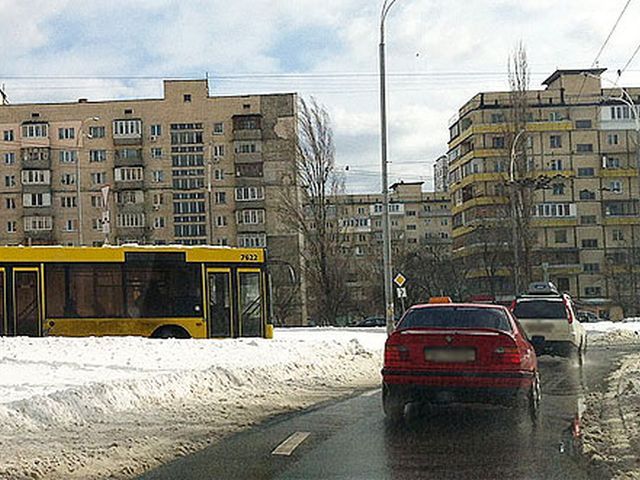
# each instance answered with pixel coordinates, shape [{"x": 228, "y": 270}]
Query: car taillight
[
  {"x": 569, "y": 311},
  {"x": 512, "y": 307},
  {"x": 507, "y": 355},
  {"x": 395, "y": 354}
]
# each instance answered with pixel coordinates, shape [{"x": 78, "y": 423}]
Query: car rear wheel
[
  {"x": 533, "y": 398},
  {"x": 393, "y": 403}
]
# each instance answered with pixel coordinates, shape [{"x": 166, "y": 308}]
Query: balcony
[
  {"x": 36, "y": 158},
  {"x": 128, "y": 157}
]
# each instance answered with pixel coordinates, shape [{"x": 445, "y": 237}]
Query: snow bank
[
  {"x": 96, "y": 407},
  {"x": 611, "y": 425},
  {"x": 613, "y": 333}
]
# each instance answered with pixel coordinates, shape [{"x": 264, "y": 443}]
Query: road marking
[
  {"x": 290, "y": 444},
  {"x": 371, "y": 393}
]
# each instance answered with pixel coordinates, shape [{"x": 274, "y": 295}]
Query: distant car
[
  {"x": 371, "y": 322},
  {"x": 459, "y": 352},
  {"x": 588, "y": 317},
  {"x": 550, "y": 319}
]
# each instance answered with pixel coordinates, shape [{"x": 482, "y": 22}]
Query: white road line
[
  {"x": 371, "y": 393},
  {"x": 290, "y": 444}
]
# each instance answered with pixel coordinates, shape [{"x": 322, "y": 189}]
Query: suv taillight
[
  {"x": 395, "y": 354},
  {"x": 568, "y": 308}
]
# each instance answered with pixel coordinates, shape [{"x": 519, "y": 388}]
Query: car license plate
[{"x": 449, "y": 354}]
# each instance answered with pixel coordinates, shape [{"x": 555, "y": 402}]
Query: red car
[{"x": 459, "y": 352}]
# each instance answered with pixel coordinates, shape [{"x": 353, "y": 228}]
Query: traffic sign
[
  {"x": 402, "y": 292},
  {"x": 399, "y": 280}
]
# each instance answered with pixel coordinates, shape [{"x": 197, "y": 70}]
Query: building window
[
  {"x": 588, "y": 220},
  {"x": 97, "y": 201},
  {"x": 249, "y": 193},
  {"x": 590, "y": 243},
  {"x": 497, "y": 118},
  {"x": 158, "y": 176},
  {"x": 36, "y": 177},
  {"x": 612, "y": 162},
  {"x": 127, "y": 128},
  {"x": 412, "y": 227},
  {"x": 156, "y": 152},
  {"x": 68, "y": 179},
  {"x": 12, "y": 226},
  {"x": 129, "y": 174},
  {"x": 159, "y": 222},
  {"x": 612, "y": 139},
  {"x": 555, "y": 164},
  {"x": 158, "y": 199},
  {"x": 34, "y": 224},
  {"x": 583, "y": 123},
  {"x": 560, "y": 236},
  {"x": 218, "y": 150},
  {"x": 586, "y": 172},
  {"x": 558, "y": 188},
  {"x": 617, "y": 235},
  {"x": 591, "y": 267},
  {"x": 66, "y": 133},
  {"x": 247, "y": 147},
  {"x": 7, "y": 136},
  {"x": 587, "y": 195},
  {"x": 9, "y": 180},
  {"x": 220, "y": 197},
  {"x": 221, "y": 221},
  {"x": 10, "y": 203},
  {"x": 592, "y": 291},
  {"x": 156, "y": 130},
  {"x": 36, "y": 199},
  {"x": 218, "y": 174},
  {"x": 9, "y": 158},
  {"x": 218, "y": 128},
  {"x": 555, "y": 210},
  {"x": 68, "y": 201},
  {"x": 97, "y": 155},
  {"x": 555, "y": 141},
  {"x": 584, "y": 147},
  {"x": 35, "y": 130},
  {"x": 98, "y": 178},
  {"x": 615, "y": 186},
  {"x": 250, "y": 217},
  {"x": 497, "y": 142},
  {"x": 620, "y": 113},
  {"x": 252, "y": 240},
  {"x": 68, "y": 156},
  {"x": 130, "y": 220},
  {"x": 97, "y": 132},
  {"x": 186, "y": 97},
  {"x": 70, "y": 225}
]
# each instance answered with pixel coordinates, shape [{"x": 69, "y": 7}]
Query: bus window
[
  {"x": 219, "y": 303},
  {"x": 250, "y": 304},
  {"x": 27, "y": 304}
]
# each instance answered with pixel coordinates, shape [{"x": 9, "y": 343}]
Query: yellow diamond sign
[{"x": 399, "y": 280}]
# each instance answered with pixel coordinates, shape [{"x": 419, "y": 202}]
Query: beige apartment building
[
  {"x": 419, "y": 220},
  {"x": 581, "y": 145},
  {"x": 188, "y": 168}
]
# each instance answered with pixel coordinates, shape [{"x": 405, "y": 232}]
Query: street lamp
[
  {"x": 514, "y": 213},
  {"x": 386, "y": 231},
  {"x": 81, "y": 133}
]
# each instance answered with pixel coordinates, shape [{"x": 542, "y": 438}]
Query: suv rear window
[
  {"x": 457, "y": 317},
  {"x": 549, "y": 309}
]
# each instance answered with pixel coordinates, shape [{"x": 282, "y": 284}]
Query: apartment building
[
  {"x": 581, "y": 147},
  {"x": 188, "y": 168},
  {"x": 441, "y": 174},
  {"x": 419, "y": 220}
]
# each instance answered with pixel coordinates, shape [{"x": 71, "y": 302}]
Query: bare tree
[{"x": 310, "y": 207}]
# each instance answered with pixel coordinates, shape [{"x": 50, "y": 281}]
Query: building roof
[{"x": 577, "y": 71}]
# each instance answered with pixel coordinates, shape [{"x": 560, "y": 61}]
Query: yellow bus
[{"x": 173, "y": 291}]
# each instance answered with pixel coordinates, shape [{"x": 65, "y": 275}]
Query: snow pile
[
  {"x": 117, "y": 406},
  {"x": 613, "y": 333},
  {"x": 612, "y": 424}
]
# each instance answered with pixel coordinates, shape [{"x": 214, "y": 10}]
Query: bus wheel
[{"x": 172, "y": 331}]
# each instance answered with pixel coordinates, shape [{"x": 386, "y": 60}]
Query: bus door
[
  {"x": 3, "y": 304},
  {"x": 251, "y": 302},
  {"x": 220, "y": 306},
  {"x": 26, "y": 301}
]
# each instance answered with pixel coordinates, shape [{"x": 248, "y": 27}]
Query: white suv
[{"x": 550, "y": 320}]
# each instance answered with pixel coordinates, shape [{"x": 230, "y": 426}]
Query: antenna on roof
[{"x": 5, "y": 100}]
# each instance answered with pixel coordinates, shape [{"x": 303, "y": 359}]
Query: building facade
[
  {"x": 419, "y": 220},
  {"x": 441, "y": 174},
  {"x": 581, "y": 150},
  {"x": 187, "y": 168}
]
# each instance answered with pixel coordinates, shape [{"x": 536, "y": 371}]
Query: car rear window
[
  {"x": 549, "y": 309},
  {"x": 457, "y": 317}
]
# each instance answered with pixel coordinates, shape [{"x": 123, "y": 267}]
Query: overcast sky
[{"x": 439, "y": 54}]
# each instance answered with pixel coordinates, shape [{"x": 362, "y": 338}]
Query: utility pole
[
  {"x": 386, "y": 231},
  {"x": 3, "y": 94}
]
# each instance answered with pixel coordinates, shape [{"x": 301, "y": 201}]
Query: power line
[
  {"x": 624, "y": 9},
  {"x": 621, "y": 71}
]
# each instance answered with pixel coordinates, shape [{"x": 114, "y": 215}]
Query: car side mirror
[{"x": 538, "y": 343}]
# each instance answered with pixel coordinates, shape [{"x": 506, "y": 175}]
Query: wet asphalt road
[{"x": 350, "y": 439}]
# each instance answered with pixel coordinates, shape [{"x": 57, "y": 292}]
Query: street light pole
[
  {"x": 386, "y": 231},
  {"x": 514, "y": 214}
]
